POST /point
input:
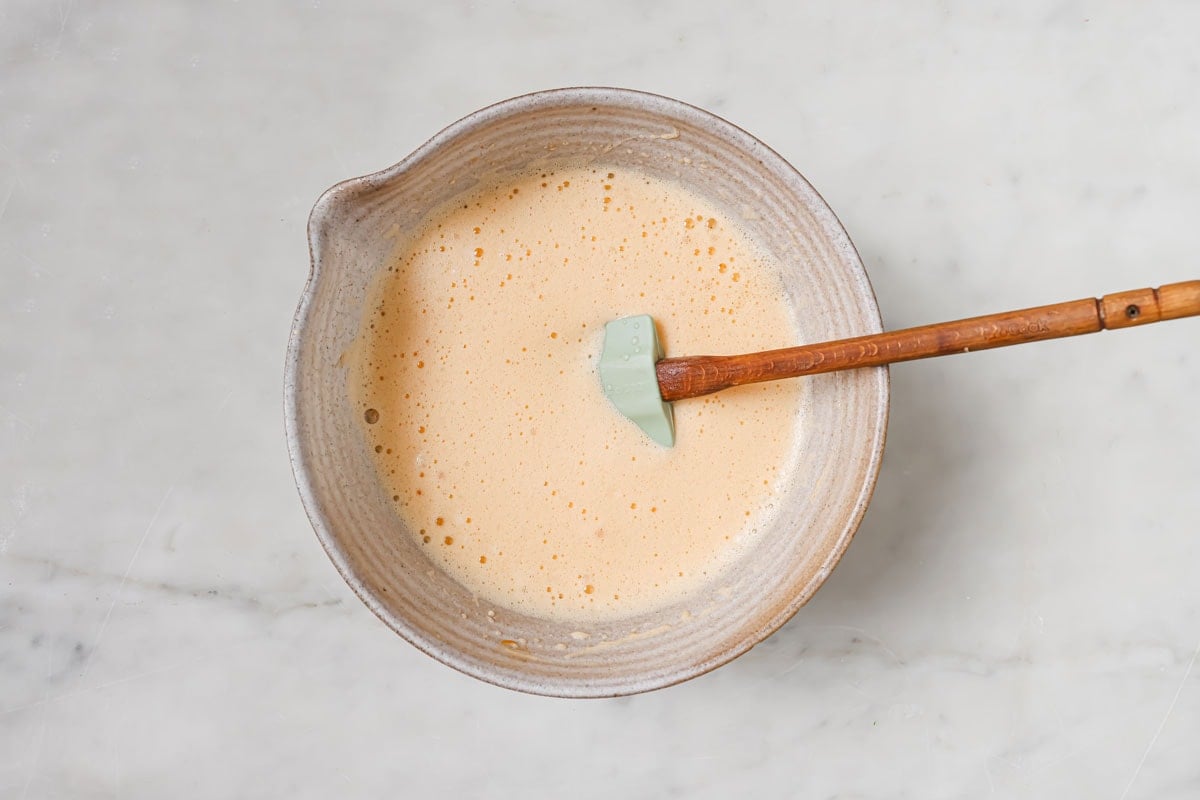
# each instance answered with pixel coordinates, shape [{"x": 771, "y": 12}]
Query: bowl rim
[{"x": 549, "y": 98}]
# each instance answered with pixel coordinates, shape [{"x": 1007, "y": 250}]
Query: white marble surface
[{"x": 1019, "y": 615}]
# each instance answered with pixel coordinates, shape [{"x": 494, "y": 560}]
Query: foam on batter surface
[{"x": 475, "y": 379}]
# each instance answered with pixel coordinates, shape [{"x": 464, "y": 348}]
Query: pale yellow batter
[{"x": 475, "y": 377}]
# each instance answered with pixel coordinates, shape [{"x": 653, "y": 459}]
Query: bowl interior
[{"x": 353, "y": 230}]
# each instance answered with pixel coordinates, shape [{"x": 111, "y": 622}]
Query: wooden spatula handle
[{"x": 693, "y": 376}]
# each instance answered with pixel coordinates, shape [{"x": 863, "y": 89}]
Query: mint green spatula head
[{"x": 631, "y": 349}]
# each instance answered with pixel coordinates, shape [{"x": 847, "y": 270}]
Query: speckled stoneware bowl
[{"x": 352, "y": 233}]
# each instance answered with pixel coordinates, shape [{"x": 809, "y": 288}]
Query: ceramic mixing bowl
[{"x": 843, "y": 416}]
